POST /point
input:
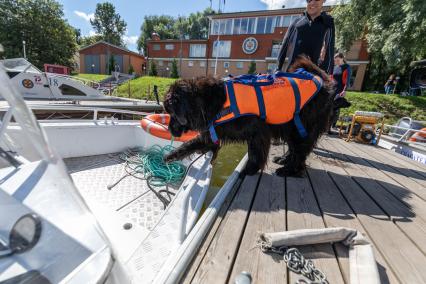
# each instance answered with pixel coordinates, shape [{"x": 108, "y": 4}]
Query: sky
[{"x": 79, "y": 12}]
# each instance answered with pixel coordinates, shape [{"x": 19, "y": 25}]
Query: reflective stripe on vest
[{"x": 277, "y": 98}]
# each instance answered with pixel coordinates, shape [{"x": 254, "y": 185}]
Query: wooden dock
[{"x": 376, "y": 191}]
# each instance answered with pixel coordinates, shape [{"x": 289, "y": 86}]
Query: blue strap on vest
[
  {"x": 260, "y": 102},
  {"x": 232, "y": 99},
  {"x": 296, "y": 118}
]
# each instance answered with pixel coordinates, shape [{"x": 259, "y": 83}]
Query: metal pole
[{"x": 25, "y": 53}]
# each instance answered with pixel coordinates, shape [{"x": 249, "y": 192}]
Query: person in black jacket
[{"x": 311, "y": 34}]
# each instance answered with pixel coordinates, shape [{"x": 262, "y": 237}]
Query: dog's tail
[{"x": 303, "y": 62}]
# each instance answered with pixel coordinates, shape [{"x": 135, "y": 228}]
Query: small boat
[
  {"x": 72, "y": 212},
  {"x": 50, "y": 89}
]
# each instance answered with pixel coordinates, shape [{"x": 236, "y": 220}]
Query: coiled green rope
[{"x": 148, "y": 164}]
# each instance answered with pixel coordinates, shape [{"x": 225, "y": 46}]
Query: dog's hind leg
[
  {"x": 294, "y": 162},
  {"x": 198, "y": 144}
]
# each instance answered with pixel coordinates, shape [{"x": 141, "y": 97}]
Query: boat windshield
[
  {"x": 19, "y": 65},
  {"x": 48, "y": 234}
]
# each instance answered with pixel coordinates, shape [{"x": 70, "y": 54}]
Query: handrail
[
  {"x": 95, "y": 110},
  {"x": 87, "y": 82}
]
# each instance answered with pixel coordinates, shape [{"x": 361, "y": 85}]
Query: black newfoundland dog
[{"x": 194, "y": 104}]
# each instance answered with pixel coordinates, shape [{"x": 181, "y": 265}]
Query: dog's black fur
[{"x": 193, "y": 105}]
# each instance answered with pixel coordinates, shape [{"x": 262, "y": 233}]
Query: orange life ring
[
  {"x": 158, "y": 125},
  {"x": 418, "y": 136}
]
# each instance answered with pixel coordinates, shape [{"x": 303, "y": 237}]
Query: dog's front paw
[
  {"x": 171, "y": 157},
  {"x": 289, "y": 172}
]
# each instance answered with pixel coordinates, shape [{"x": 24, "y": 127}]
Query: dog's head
[
  {"x": 193, "y": 103},
  {"x": 341, "y": 102}
]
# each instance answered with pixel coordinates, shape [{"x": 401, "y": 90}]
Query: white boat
[
  {"x": 60, "y": 222},
  {"x": 401, "y": 139},
  {"x": 52, "y": 90}
]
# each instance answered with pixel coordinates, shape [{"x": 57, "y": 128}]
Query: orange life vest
[{"x": 276, "y": 98}]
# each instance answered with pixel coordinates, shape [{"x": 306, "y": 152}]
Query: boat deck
[
  {"x": 376, "y": 191},
  {"x": 130, "y": 196}
]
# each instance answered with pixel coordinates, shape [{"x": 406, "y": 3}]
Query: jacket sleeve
[
  {"x": 328, "y": 63},
  {"x": 285, "y": 44},
  {"x": 346, "y": 77}
]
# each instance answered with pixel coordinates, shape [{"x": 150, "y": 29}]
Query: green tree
[
  {"x": 48, "y": 37},
  {"x": 131, "y": 69},
  {"x": 252, "y": 68},
  {"x": 153, "y": 69},
  {"x": 89, "y": 40},
  {"x": 108, "y": 24},
  {"x": 393, "y": 31},
  {"x": 196, "y": 26},
  {"x": 174, "y": 73}
]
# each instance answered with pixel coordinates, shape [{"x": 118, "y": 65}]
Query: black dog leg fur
[{"x": 197, "y": 144}]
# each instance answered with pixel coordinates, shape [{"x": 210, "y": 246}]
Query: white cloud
[
  {"x": 277, "y": 4},
  {"x": 130, "y": 39},
  {"x": 92, "y": 33},
  {"x": 85, "y": 16}
]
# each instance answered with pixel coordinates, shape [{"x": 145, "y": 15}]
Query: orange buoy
[
  {"x": 158, "y": 125},
  {"x": 418, "y": 136}
]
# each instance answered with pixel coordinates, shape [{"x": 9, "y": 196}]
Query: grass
[
  {"x": 92, "y": 77},
  {"x": 139, "y": 87},
  {"x": 393, "y": 106}
]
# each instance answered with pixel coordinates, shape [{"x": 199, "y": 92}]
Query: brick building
[
  {"x": 94, "y": 59},
  {"x": 234, "y": 41}
]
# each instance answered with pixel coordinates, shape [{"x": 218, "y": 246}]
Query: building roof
[
  {"x": 263, "y": 12},
  {"x": 176, "y": 40},
  {"x": 112, "y": 45}
]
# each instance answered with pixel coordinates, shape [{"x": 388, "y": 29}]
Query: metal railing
[{"x": 409, "y": 132}]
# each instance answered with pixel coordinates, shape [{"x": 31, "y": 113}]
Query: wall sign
[{"x": 250, "y": 45}]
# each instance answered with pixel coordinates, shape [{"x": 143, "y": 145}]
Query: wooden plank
[
  {"x": 389, "y": 171},
  {"x": 303, "y": 213},
  {"x": 383, "y": 157},
  {"x": 406, "y": 219},
  {"x": 217, "y": 262},
  {"x": 405, "y": 259},
  {"x": 403, "y": 194},
  {"x": 193, "y": 267},
  {"x": 403, "y": 161},
  {"x": 337, "y": 213},
  {"x": 267, "y": 215}
]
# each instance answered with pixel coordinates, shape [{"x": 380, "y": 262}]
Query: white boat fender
[{"x": 363, "y": 267}]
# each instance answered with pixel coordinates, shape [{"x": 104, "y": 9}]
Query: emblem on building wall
[{"x": 250, "y": 45}]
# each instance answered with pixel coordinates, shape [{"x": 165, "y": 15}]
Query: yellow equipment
[{"x": 363, "y": 127}]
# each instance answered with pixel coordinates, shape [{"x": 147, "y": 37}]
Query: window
[
  {"x": 251, "y": 25},
  {"x": 197, "y": 50},
  {"x": 228, "y": 28},
  {"x": 160, "y": 63},
  {"x": 202, "y": 64},
  {"x": 215, "y": 27},
  {"x": 260, "y": 28},
  {"x": 156, "y": 47},
  {"x": 272, "y": 67},
  {"x": 222, "y": 48},
  {"x": 170, "y": 46},
  {"x": 226, "y": 64},
  {"x": 190, "y": 63},
  {"x": 213, "y": 65},
  {"x": 240, "y": 65},
  {"x": 286, "y": 21},
  {"x": 237, "y": 23},
  {"x": 275, "y": 50},
  {"x": 169, "y": 64},
  {"x": 243, "y": 29},
  {"x": 222, "y": 26},
  {"x": 269, "y": 27}
]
